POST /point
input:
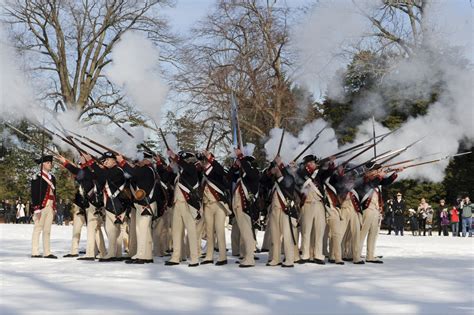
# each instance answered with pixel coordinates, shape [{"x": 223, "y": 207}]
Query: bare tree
[
  {"x": 397, "y": 24},
  {"x": 240, "y": 48},
  {"x": 73, "y": 41}
]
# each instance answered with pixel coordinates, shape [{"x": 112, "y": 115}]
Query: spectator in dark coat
[
  {"x": 444, "y": 219},
  {"x": 60, "y": 209},
  {"x": 399, "y": 214},
  {"x": 389, "y": 215},
  {"x": 413, "y": 222},
  {"x": 439, "y": 211}
]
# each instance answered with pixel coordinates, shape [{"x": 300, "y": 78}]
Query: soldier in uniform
[
  {"x": 313, "y": 212},
  {"x": 284, "y": 215},
  {"x": 371, "y": 204},
  {"x": 88, "y": 202},
  {"x": 43, "y": 202},
  {"x": 215, "y": 207},
  {"x": 186, "y": 207},
  {"x": 162, "y": 221},
  {"x": 246, "y": 179},
  {"x": 144, "y": 187},
  {"x": 112, "y": 178}
]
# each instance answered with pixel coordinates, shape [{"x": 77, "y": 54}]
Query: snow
[{"x": 421, "y": 275}]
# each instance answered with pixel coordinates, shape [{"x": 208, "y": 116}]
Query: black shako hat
[
  {"x": 108, "y": 155},
  {"x": 184, "y": 155},
  {"x": 44, "y": 158},
  {"x": 309, "y": 158},
  {"x": 249, "y": 158},
  {"x": 372, "y": 166}
]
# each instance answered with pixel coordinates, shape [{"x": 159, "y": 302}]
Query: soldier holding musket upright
[
  {"x": 246, "y": 178},
  {"x": 88, "y": 197},
  {"x": 144, "y": 186},
  {"x": 186, "y": 207},
  {"x": 215, "y": 207},
  {"x": 43, "y": 203},
  {"x": 113, "y": 180}
]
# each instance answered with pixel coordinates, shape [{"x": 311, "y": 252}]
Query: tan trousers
[
  {"x": 267, "y": 238},
  {"x": 143, "y": 234},
  {"x": 336, "y": 226},
  {"x": 349, "y": 237},
  {"x": 214, "y": 217},
  {"x": 313, "y": 216},
  {"x": 370, "y": 229},
  {"x": 95, "y": 238},
  {"x": 43, "y": 224},
  {"x": 246, "y": 235},
  {"x": 182, "y": 218},
  {"x": 200, "y": 233},
  {"x": 113, "y": 231},
  {"x": 280, "y": 227},
  {"x": 160, "y": 236},
  {"x": 236, "y": 243},
  {"x": 78, "y": 222},
  {"x": 132, "y": 232}
]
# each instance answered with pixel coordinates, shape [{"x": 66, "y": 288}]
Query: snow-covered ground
[{"x": 421, "y": 275}]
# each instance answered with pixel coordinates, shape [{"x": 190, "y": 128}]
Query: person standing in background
[
  {"x": 429, "y": 220},
  {"x": 398, "y": 207},
  {"x": 454, "y": 221},
  {"x": 466, "y": 208},
  {"x": 439, "y": 211},
  {"x": 422, "y": 207},
  {"x": 444, "y": 219},
  {"x": 60, "y": 212},
  {"x": 389, "y": 216}
]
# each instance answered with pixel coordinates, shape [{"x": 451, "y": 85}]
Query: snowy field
[{"x": 421, "y": 275}]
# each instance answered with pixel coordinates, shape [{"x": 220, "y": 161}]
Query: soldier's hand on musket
[
  {"x": 171, "y": 154},
  {"x": 82, "y": 159},
  {"x": 88, "y": 157},
  {"x": 399, "y": 169},
  {"x": 332, "y": 158},
  {"x": 62, "y": 159},
  {"x": 119, "y": 158},
  {"x": 278, "y": 160},
  {"x": 237, "y": 151},
  {"x": 207, "y": 154}
]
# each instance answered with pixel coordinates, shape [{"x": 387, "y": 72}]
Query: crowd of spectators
[{"x": 426, "y": 219}]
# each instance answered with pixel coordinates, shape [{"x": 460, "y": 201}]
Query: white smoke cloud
[
  {"x": 16, "y": 96},
  {"x": 319, "y": 40},
  {"x": 445, "y": 60},
  {"x": 135, "y": 68},
  {"x": 293, "y": 145}
]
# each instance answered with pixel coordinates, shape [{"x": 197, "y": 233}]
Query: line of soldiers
[{"x": 330, "y": 210}]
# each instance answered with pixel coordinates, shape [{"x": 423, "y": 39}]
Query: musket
[
  {"x": 437, "y": 160},
  {"x": 359, "y": 146},
  {"x": 236, "y": 132},
  {"x": 400, "y": 151},
  {"x": 101, "y": 145},
  {"x": 408, "y": 161},
  {"x": 391, "y": 155},
  {"x": 373, "y": 135},
  {"x": 309, "y": 144},
  {"x": 164, "y": 139},
  {"x": 55, "y": 154},
  {"x": 67, "y": 140},
  {"x": 281, "y": 141},
  {"x": 210, "y": 137}
]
